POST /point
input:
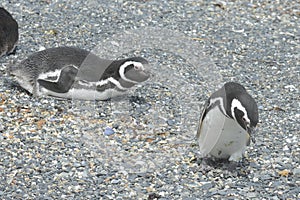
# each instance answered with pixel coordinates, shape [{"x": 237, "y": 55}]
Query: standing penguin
[
  {"x": 9, "y": 34},
  {"x": 227, "y": 122},
  {"x": 69, "y": 72}
]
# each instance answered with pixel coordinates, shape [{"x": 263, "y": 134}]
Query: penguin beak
[
  {"x": 144, "y": 75},
  {"x": 147, "y": 72},
  {"x": 251, "y": 130}
]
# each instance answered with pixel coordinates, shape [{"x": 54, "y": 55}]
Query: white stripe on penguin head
[
  {"x": 237, "y": 104},
  {"x": 126, "y": 64}
]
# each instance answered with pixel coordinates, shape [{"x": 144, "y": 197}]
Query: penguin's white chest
[
  {"x": 84, "y": 94},
  {"x": 222, "y": 137}
]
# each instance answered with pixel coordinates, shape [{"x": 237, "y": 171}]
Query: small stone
[
  {"x": 291, "y": 87},
  {"x": 1, "y": 128},
  {"x": 288, "y": 140},
  {"x": 207, "y": 186},
  {"x": 285, "y": 148},
  {"x": 115, "y": 181},
  {"x": 41, "y": 48},
  {"x": 77, "y": 164},
  {"x": 171, "y": 122},
  {"x": 153, "y": 196},
  {"x": 296, "y": 172},
  {"x": 83, "y": 174},
  {"x": 109, "y": 131},
  {"x": 255, "y": 179},
  {"x": 116, "y": 125},
  {"x": 284, "y": 172}
]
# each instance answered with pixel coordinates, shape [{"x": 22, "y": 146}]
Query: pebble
[
  {"x": 115, "y": 181},
  {"x": 171, "y": 122},
  {"x": 108, "y": 131},
  {"x": 207, "y": 186},
  {"x": 1, "y": 128},
  {"x": 296, "y": 172}
]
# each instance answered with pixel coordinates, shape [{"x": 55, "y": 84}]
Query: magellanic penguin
[
  {"x": 227, "y": 122},
  {"x": 73, "y": 73},
  {"x": 9, "y": 34}
]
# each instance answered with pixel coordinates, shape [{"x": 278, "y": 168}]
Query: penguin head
[
  {"x": 240, "y": 106},
  {"x": 134, "y": 70},
  {"x": 244, "y": 111}
]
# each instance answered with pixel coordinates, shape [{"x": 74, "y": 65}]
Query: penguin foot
[
  {"x": 232, "y": 166},
  {"x": 236, "y": 168},
  {"x": 206, "y": 164}
]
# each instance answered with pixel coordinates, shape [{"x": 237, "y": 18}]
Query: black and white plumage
[
  {"x": 69, "y": 72},
  {"x": 228, "y": 119},
  {"x": 9, "y": 34}
]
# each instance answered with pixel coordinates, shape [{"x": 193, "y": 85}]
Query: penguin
[
  {"x": 228, "y": 120},
  {"x": 74, "y": 73},
  {"x": 9, "y": 34}
]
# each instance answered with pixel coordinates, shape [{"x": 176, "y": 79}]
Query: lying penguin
[
  {"x": 8, "y": 32},
  {"x": 73, "y": 73}
]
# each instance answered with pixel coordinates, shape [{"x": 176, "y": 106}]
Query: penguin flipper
[
  {"x": 64, "y": 82},
  {"x": 201, "y": 119},
  {"x": 209, "y": 132}
]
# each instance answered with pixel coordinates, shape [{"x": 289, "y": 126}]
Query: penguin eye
[
  {"x": 138, "y": 67},
  {"x": 247, "y": 122}
]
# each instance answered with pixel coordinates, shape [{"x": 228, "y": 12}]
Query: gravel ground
[{"x": 141, "y": 146}]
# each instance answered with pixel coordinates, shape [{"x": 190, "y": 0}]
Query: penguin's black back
[{"x": 9, "y": 34}]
